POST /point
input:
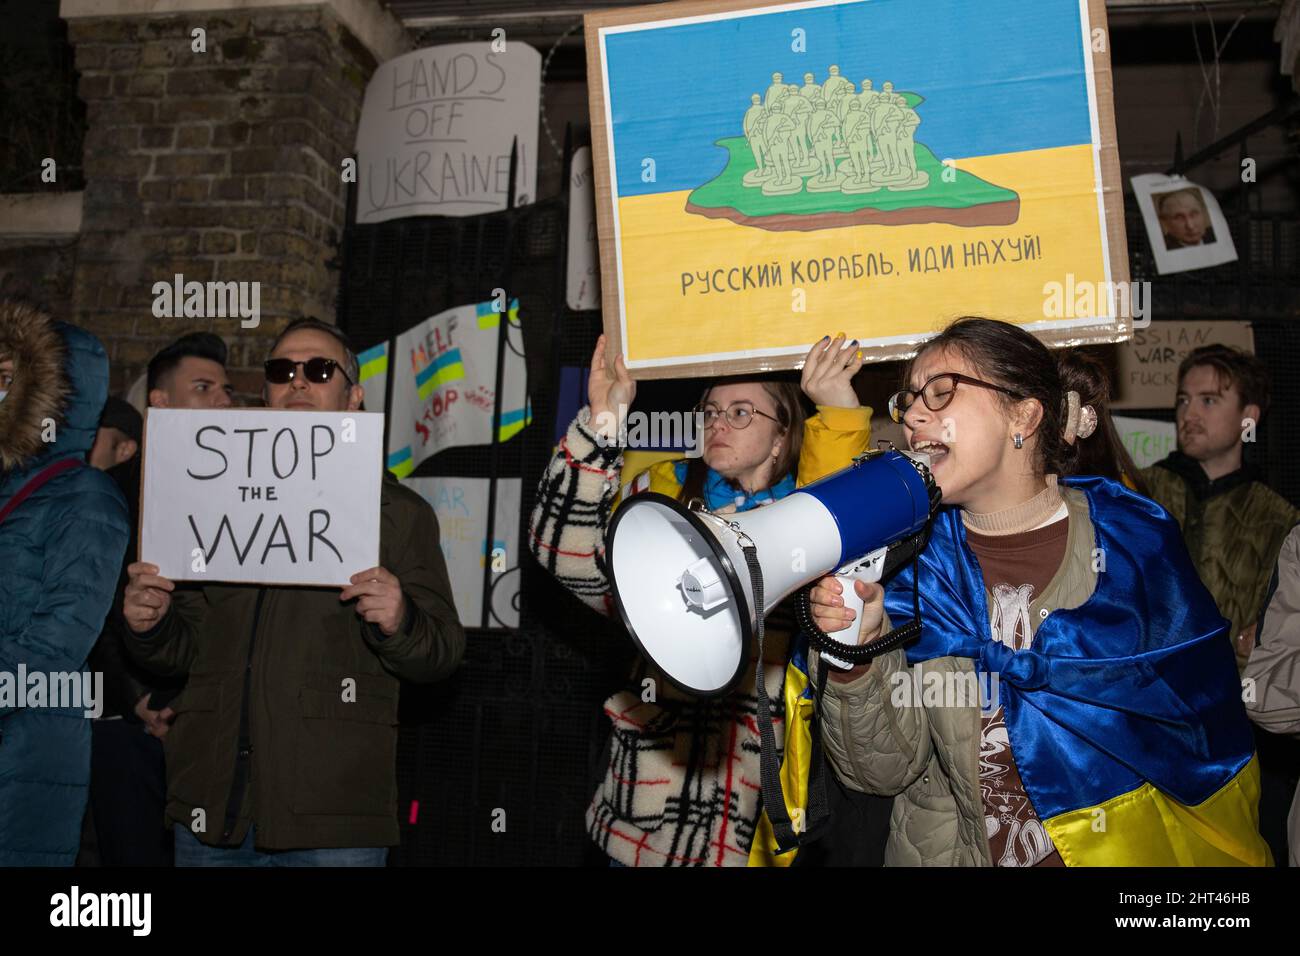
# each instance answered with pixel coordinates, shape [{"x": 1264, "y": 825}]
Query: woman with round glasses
[
  {"x": 1072, "y": 699},
  {"x": 682, "y": 783}
]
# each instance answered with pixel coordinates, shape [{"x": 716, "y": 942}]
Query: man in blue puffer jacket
[{"x": 62, "y": 536}]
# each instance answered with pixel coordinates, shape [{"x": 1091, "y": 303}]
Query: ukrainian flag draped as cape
[{"x": 1125, "y": 716}]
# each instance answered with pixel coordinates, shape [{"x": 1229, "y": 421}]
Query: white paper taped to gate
[
  {"x": 444, "y": 373},
  {"x": 1185, "y": 226},
  {"x": 582, "y": 282},
  {"x": 461, "y": 505},
  {"x": 436, "y": 129},
  {"x": 260, "y": 495}
]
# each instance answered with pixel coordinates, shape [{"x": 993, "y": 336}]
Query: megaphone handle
[
  {"x": 847, "y": 635},
  {"x": 869, "y": 569}
]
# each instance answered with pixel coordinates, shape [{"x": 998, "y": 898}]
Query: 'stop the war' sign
[
  {"x": 261, "y": 496},
  {"x": 436, "y": 130}
]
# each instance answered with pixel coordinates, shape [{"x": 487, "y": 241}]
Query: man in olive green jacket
[
  {"x": 1232, "y": 522},
  {"x": 285, "y": 736},
  {"x": 1234, "y": 526}
]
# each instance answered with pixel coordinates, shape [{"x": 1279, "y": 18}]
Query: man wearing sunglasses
[{"x": 283, "y": 750}]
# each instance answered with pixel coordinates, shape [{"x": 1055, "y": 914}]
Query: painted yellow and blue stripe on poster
[
  {"x": 489, "y": 314},
  {"x": 443, "y": 370},
  {"x": 894, "y": 163},
  {"x": 373, "y": 363},
  {"x": 444, "y": 375}
]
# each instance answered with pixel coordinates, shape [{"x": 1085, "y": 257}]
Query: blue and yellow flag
[{"x": 1125, "y": 716}]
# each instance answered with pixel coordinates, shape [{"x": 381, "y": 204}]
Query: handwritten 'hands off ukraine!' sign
[
  {"x": 261, "y": 496},
  {"x": 766, "y": 172},
  {"x": 436, "y": 130}
]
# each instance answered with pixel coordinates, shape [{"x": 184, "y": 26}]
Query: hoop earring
[{"x": 1018, "y": 441}]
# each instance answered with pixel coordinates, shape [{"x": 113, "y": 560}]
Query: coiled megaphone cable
[
  {"x": 855, "y": 654},
  {"x": 818, "y": 810}
]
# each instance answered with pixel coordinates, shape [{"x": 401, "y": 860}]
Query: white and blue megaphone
[{"x": 682, "y": 582}]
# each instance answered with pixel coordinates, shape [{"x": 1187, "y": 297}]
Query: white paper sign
[
  {"x": 582, "y": 286},
  {"x": 1146, "y": 439},
  {"x": 461, "y": 505},
  {"x": 436, "y": 130},
  {"x": 260, "y": 495},
  {"x": 1185, "y": 226},
  {"x": 444, "y": 383}
]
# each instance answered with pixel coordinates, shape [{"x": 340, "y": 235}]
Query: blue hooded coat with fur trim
[{"x": 60, "y": 554}]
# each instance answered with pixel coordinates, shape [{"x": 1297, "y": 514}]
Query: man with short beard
[
  {"x": 271, "y": 761},
  {"x": 1234, "y": 526},
  {"x": 1232, "y": 522}
]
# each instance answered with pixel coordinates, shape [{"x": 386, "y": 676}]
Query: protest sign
[
  {"x": 261, "y": 496},
  {"x": 766, "y": 173},
  {"x": 373, "y": 366},
  {"x": 461, "y": 505},
  {"x": 1148, "y": 365},
  {"x": 1146, "y": 439},
  {"x": 443, "y": 373},
  {"x": 437, "y": 127},
  {"x": 1185, "y": 226},
  {"x": 582, "y": 276}
]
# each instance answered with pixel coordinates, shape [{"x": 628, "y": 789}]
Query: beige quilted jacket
[{"x": 929, "y": 756}]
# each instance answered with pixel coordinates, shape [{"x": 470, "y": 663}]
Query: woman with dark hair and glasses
[
  {"x": 1071, "y": 699},
  {"x": 682, "y": 783}
]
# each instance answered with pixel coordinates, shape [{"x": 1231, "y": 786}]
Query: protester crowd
[
  {"x": 1161, "y": 688},
  {"x": 223, "y": 739}
]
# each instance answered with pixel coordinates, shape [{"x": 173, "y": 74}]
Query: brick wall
[
  {"x": 221, "y": 166},
  {"x": 39, "y": 273}
]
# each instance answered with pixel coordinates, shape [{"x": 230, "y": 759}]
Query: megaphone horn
[{"x": 680, "y": 575}]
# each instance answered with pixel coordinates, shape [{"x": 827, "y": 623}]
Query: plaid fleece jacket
[{"x": 682, "y": 785}]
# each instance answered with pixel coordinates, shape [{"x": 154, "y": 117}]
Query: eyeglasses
[
  {"x": 739, "y": 414},
  {"x": 938, "y": 393},
  {"x": 282, "y": 371}
]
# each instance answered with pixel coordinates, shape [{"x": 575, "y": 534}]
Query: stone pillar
[{"x": 222, "y": 166}]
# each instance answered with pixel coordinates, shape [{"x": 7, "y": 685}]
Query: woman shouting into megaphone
[
  {"x": 1072, "y": 698},
  {"x": 682, "y": 783}
]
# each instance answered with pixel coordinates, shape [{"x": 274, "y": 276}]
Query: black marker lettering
[{"x": 198, "y": 440}]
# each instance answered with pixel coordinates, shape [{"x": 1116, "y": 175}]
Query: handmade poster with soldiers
[
  {"x": 261, "y": 496},
  {"x": 766, "y": 173}
]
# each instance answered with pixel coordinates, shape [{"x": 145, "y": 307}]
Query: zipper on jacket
[
  {"x": 244, "y": 750},
  {"x": 980, "y": 827}
]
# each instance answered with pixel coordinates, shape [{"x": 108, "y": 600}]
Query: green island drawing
[{"x": 830, "y": 155}]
